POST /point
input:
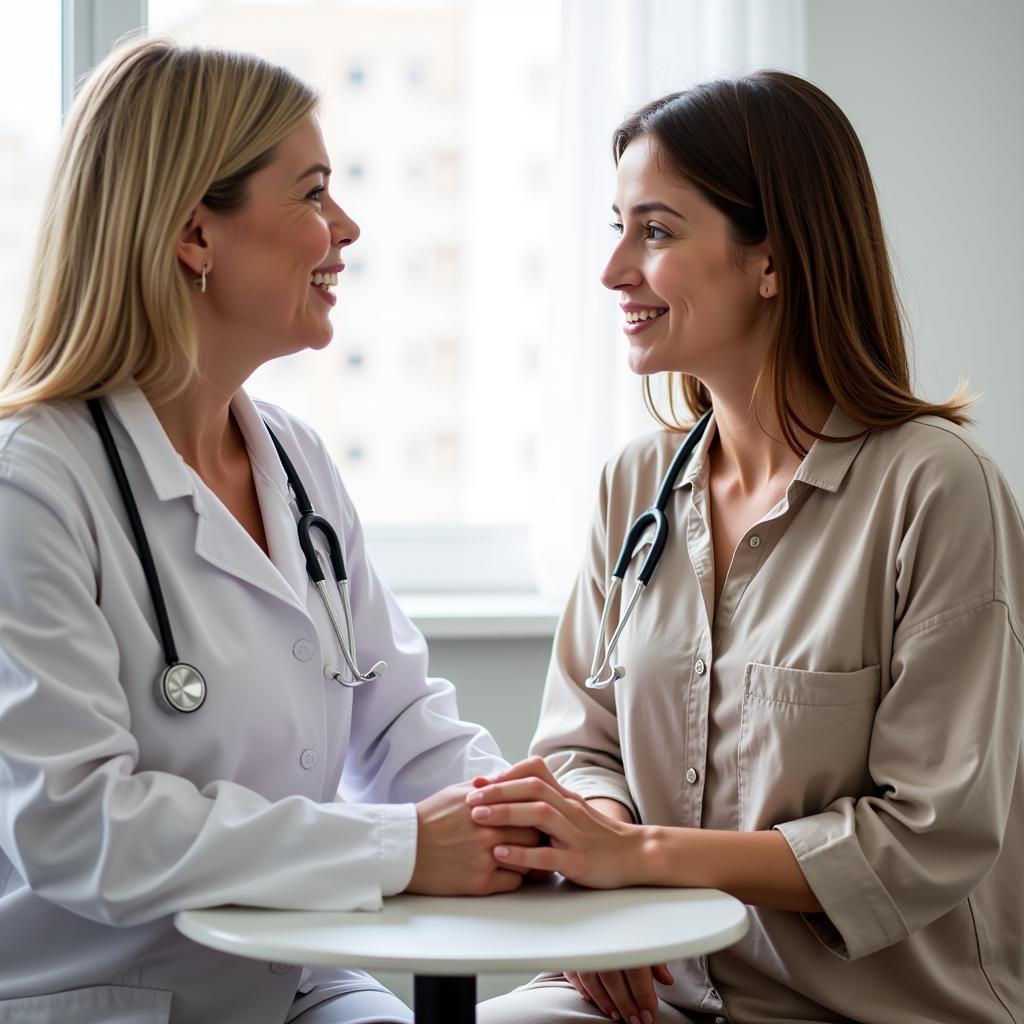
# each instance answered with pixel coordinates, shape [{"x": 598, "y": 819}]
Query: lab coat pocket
[
  {"x": 100, "y": 1004},
  {"x": 804, "y": 740}
]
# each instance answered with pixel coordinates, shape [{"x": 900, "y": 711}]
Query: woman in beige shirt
[{"x": 822, "y": 707}]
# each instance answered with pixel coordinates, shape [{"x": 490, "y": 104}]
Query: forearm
[
  {"x": 611, "y": 809},
  {"x": 756, "y": 867}
]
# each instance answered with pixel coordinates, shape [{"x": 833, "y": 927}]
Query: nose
[
  {"x": 621, "y": 271},
  {"x": 344, "y": 230}
]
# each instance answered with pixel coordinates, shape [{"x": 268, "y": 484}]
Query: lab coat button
[
  {"x": 308, "y": 759},
  {"x": 691, "y": 775},
  {"x": 755, "y": 542},
  {"x": 699, "y": 667},
  {"x": 303, "y": 650},
  {"x": 280, "y": 968}
]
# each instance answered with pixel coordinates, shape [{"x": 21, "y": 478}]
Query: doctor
[{"x": 190, "y": 236}]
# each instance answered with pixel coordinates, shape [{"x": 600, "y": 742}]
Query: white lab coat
[{"x": 284, "y": 790}]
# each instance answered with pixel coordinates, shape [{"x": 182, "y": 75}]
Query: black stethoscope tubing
[
  {"x": 181, "y": 687},
  {"x": 653, "y": 516}
]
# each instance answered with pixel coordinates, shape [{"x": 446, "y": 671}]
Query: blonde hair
[{"x": 158, "y": 129}]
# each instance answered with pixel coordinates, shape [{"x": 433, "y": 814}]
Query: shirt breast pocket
[{"x": 804, "y": 741}]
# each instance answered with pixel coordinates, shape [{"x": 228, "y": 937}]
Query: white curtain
[{"x": 618, "y": 54}]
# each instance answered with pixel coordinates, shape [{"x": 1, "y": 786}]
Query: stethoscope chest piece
[{"x": 180, "y": 689}]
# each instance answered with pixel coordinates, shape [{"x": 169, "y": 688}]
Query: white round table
[{"x": 446, "y": 941}]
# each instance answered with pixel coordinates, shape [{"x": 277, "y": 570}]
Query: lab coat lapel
[
  {"x": 280, "y": 513},
  {"x": 220, "y": 539}
]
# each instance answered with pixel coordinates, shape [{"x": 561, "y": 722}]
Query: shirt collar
[
  {"x": 167, "y": 470},
  {"x": 824, "y": 466}
]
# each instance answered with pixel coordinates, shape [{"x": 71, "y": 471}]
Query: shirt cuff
[
  {"x": 860, "y": 916},
  {"x": 396, "y": 845},
  {"x": 599, "y": 782}
]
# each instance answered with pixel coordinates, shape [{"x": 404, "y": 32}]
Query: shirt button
[
  {"x": 280, "y": 968},
  {"x": 303, "y": 650},
  {"x": 699, "y": 667},
  {"x": 691, "y": 775},
  {"x": 755, "y": 541},
  {"x": 308, "y": 759}
]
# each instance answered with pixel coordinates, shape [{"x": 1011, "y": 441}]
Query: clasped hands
[{"x": 485, "y": 836}]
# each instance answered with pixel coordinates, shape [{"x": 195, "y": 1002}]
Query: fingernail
[
  {"x": 481, "y": 812},
  {"x": 648, "y": 1017},
  {"x": 634, "y": 1020},
  {"x": 476, "y": 796},
  {"x": 501, "y": 851}
]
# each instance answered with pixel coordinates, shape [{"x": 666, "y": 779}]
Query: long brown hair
[{"x": 781, "y": 161}]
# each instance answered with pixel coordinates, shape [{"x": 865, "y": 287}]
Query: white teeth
[
  {"x": 324, "y": 280},
  {"x": 646, "y": 314}
]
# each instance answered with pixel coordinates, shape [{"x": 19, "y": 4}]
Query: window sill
[{"x": 481, "y": 616}]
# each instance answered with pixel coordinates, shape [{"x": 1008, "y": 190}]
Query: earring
[{"x": 201, "y": 283}]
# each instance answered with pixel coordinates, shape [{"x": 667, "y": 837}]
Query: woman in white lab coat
[{"x": 190, "y": 236}]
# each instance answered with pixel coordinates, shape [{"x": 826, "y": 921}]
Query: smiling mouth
[
  {"x": 645, "y": 314},
  {"x": 324, "y": 281}
]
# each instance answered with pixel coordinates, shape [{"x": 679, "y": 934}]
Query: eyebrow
[
  {"x": 315, "y": 169},
  {"x": 641, "y": 208}
]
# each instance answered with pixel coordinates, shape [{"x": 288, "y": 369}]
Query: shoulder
[
  {"x": 44, "y": 442},
  {"x": 45, "y": 453},
  {"x": 644, "y": 459}
]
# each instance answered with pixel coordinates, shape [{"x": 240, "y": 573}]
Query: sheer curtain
[{"x": 618, "y": 54}]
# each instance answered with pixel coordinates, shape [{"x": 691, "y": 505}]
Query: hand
[
  {"x": 626, "y": 994},
  {"x": 586, "y": 846},
  {"x": 454, "y": 856}
]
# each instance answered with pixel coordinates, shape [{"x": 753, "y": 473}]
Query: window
[
  {"x": 30, "y": 71},
  {"x": 440, "y": 116}
]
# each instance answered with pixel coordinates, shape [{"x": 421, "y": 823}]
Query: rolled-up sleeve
[{"x": 946, "y": 740}]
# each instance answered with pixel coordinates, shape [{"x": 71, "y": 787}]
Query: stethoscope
[
  {"x": 654, "y": 515},
  {"x": 180, "y": 687}
]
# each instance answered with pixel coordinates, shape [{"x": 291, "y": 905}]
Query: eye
[
  {"x": 316, "y": 193},
  {"x": 653, "y": 233},
  {"x": 616, "y": 227}
]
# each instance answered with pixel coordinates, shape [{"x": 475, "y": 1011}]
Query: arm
[
  {"x": 944, "y": 751},
  {"x": 595, "y": 843},
  {"x": 83, "y": 823}
]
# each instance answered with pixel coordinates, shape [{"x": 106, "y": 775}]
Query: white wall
[{"x": 935, "y": 89}]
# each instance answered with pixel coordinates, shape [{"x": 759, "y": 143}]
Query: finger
[
  {"x": 574, "y": 979},
  {"x": 662, "y": 974},
  {"x": 505, "y": 881},
  {"x": 641, "y": 984},
  {"x": 520, "y": 790},
  {"x": 522, "y": 836},
  {"x": 542, "y": 817},
  {"x": 543, "y": 858},
  {"x": 532, "y": 767},
  {"x": 599, "y": 994},
  {"x": 622, "y": 996}
]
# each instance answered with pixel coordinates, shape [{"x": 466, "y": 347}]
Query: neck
[
  {"x": 749, "y": 448},
  {"x": 199, "y": 425}
]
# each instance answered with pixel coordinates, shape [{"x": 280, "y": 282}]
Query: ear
[
  {"x": 193, "y": 242},
  {"x": 768, "y": 283}
]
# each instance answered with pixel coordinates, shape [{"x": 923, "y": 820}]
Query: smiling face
[
  {"x": 693, "y": 300},
  {"x": 272, "y": 263}
]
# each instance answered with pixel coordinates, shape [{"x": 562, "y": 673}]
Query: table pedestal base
[{"x": 440, "y": 1000}]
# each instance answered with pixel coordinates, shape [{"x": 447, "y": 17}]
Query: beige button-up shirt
[{"x": 860, "y": 688}]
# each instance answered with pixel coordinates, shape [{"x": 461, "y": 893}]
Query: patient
[{"x": 794, "y": 726}]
